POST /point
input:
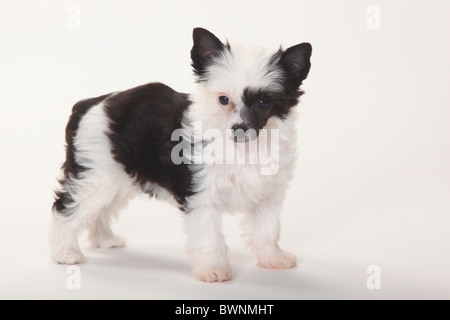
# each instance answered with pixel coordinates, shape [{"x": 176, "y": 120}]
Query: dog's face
[{"x": 246, "y": 85}]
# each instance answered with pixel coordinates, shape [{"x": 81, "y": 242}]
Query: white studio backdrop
[{"x": 371, "y": 195}]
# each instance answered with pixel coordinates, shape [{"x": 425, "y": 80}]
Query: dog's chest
[{"x": 239, "y": 187}]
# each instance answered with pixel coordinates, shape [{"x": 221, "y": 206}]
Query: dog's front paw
[
  {"x": 276, "y": 260},
  {"x": 213, "y": 274}
]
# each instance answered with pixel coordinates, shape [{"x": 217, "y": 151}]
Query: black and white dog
[{"x": 177, "y": 147}]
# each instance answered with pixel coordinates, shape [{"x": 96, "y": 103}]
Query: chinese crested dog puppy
[{"x": 208, "y": 153}]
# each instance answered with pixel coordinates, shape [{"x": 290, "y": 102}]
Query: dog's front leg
[
  {"x": 262, "y": 231},
  {"x": 206, "y": 245}
]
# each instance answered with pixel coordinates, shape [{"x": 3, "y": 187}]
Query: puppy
[{"x": 207, "y": 153}]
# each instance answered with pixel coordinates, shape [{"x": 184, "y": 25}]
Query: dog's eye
[
  {"x": 224, "y": 100},
  {"x": 263, "y": 104}
]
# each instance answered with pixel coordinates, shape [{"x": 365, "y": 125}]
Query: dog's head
[{"x": 247, "y": 85}]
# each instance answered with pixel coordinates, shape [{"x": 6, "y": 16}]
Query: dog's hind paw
[
  {"x": 70, "y": 257},
  {"x": 114, "y": 241}
]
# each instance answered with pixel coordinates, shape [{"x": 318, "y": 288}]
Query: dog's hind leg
[
  {"x": 80, "y": 204},
  {"x": 65, "y": 227},
  {"x": 100, "y": 233},
  {"x": 70, "y": 213}
]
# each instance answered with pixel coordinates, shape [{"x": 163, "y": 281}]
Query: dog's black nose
[
  {"x": 242, "y": 133},
  {"x": 241, "y": 126}
]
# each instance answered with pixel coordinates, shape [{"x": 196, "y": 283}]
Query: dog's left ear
[
  {"x": 206, "y": 47},
  {"x": 296, "y": 62}
]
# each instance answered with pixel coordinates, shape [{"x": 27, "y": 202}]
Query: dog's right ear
[{"x": 206, "y": 47}]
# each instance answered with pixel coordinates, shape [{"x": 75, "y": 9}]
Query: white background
[{"x": 373, "y": 179}]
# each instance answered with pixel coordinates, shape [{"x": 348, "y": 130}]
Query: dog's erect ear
[
  {"x": 296, "y": 62},
  {"x": 206, "y": 47}
]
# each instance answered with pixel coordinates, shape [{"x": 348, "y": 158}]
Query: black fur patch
[
  {"x": 142, "y": 121},
  {"x": 279, "y": 104},
  {"x": 63, "y": 200}
]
